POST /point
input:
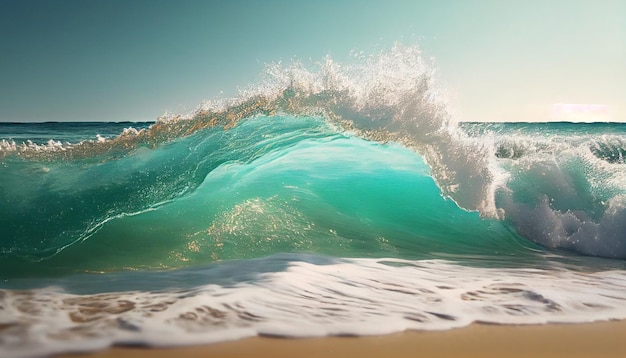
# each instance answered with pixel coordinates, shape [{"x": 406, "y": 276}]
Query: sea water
[{"x": 338, "y": 200}]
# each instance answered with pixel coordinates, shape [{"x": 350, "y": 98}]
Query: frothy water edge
[{"x": 306, "y": 298}]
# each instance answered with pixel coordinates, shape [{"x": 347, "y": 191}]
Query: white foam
[
  {"x": 572, "y": 197},
  {"x": 344, "y": 297}
]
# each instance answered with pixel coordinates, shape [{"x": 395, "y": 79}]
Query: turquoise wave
[{"x": 271, "y": 184}]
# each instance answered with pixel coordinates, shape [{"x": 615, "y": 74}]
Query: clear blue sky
[{"x": 111, "y": 60}]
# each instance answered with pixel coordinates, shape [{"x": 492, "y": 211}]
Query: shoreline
[{"x": 597, "y": 339}]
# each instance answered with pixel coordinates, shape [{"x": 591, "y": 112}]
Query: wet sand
[{"x": 602, "y": 339}]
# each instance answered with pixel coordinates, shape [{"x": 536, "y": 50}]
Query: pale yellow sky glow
[{"x": 581, "y": 112}]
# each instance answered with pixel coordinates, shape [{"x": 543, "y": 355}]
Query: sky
[{"x": 134, "y": 60}]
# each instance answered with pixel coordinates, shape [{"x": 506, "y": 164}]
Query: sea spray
[{"x": 565, "y": 185}]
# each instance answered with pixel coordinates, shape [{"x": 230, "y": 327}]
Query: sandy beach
[{"x": 602, "y": 339}]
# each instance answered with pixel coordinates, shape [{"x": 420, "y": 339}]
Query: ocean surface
[{"x": 339, "y": 200}]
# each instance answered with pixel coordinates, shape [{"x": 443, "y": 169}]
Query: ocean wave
[
  {"x": 564, "y": 184},
  {"x": 561, "y": 190}
]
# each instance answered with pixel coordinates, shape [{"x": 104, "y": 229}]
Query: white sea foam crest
[
  {"x": 388, "y": 96},
  {"x": 349, "y": 297},
  {"x": 50, "y": 146},
  {"x": 563, "y": 189}
]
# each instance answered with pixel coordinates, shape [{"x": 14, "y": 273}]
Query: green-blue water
[{"x": 270, "y": 185}]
